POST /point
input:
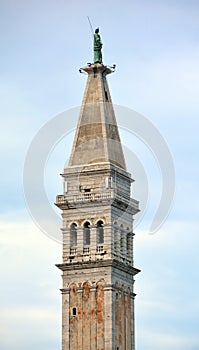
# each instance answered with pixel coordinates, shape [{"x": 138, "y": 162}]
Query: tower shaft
[{"x": 97, "y": 212}]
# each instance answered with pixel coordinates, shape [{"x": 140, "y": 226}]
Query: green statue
[{"x": 97, "y": 47}]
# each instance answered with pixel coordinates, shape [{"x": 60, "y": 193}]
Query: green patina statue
[{"x": 97, "y": 47}]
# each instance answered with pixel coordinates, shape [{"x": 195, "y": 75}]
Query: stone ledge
[{"x": 98, "y": 264}]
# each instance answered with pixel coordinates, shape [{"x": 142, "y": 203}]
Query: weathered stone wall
[
  {"x": 98, "y": 307},
  {"x": 84, "y": 319}
]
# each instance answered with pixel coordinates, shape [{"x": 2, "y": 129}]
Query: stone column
[
  {"x": 108, "y": 240},
  {"x": 93, "y": 242},
  {"x": 80, "y": 317},
  {"x": 124, "y": 243},
  {"x": 80, "y": 241},
  {"x": 65, "y": 319},
  {"x": 132, "y": 322},
  {"x": 116, "y": 241},
  {"x": 109, "y": 317},
  {"x": 66, "y": 244}
]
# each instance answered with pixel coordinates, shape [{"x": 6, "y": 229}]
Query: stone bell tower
[{"x": 97, "y": 211}]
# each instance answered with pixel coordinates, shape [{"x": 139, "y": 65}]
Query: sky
[{"x": 155, "y": 47}]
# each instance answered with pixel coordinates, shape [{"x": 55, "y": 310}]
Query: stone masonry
[{"x": 97, "y": 212}]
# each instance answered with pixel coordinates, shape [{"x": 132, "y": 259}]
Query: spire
[
  {"x": 97, "y": 138},
  {"x": 97, "y": 211}
]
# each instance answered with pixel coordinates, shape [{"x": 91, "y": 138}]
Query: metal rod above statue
[
  {"x": 97, "y": 44},
  {"x": 97, "y": 47}
]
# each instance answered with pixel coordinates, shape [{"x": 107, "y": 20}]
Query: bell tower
[{"x": 97, "y": 212}]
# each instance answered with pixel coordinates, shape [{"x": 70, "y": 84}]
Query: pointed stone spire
[{"x": 97, "y": 138}]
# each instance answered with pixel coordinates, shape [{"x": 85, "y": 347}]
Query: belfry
[{"x": 97, "y": 215}]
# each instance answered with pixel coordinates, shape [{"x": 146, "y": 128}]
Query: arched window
[
  {"x": 73, "y": 235},
  {"x": 100, "y": 232},
  {"x": 86, "y": 233}
]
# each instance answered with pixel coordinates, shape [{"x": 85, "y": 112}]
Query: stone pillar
[
  {"x": 93, "y": 330},
  {"x": 66, "y": 243},
  {"x": 116, "y": 241},
  {"x": 65, "y": 320},
  {"x": 132, "y": 322},
  {"x": 109, "y": 318},
  {"x": 130, "y": 246},
  {"x": 124, "y": 243},
  {"x": 86, "y": 309},
  {"x": 108, "y": 239},
  {"x": 93, "y": 242},
  {"x": 100, "y": 315},
  {"x": 80, "y": 319},
  {"x": 79, "y": 241}
]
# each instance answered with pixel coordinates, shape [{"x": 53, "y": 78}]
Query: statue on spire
[{"x": 97, "y": 46}]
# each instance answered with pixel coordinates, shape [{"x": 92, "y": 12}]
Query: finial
[{"x": 97, "y": 46}]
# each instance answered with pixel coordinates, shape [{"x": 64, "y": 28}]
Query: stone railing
[
  {"x": 95, "y": 196},
  {"x": 100, "y": 249},
  {"x": 85, "y": 197},
  {"x": 73, "y": 251}
]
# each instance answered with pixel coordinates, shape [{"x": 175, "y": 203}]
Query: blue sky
[{"x": 155, "y": 47}]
